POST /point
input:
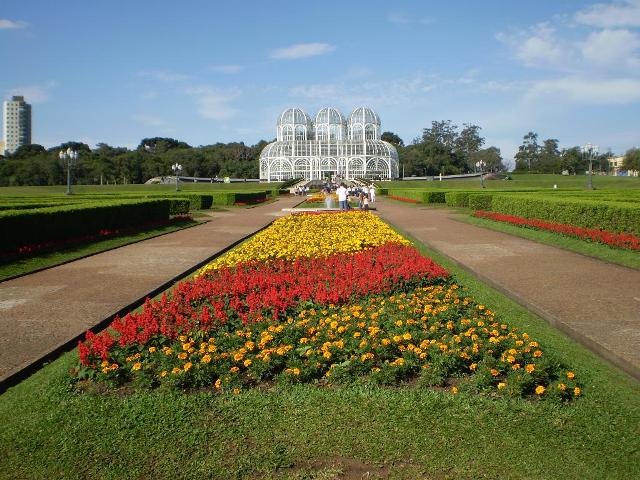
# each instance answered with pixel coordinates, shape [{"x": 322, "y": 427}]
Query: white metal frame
[{"x": 328, "y": 146}]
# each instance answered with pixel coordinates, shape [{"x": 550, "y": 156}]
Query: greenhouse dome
[{"x": 328, "y": 147}]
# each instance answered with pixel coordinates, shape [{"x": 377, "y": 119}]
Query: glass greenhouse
[{"x": 328, "y": 146}]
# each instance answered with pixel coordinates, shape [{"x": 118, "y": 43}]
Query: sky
[{"x": 205, "y": 72}]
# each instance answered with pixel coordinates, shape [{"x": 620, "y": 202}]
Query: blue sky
[{"x": 203, "y": 72}]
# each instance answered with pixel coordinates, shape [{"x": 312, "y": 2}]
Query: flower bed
[
  {"x": 619, "y": 240},
  {"x": 311, "y": 310},
  {"x": 403, "y": 199}
]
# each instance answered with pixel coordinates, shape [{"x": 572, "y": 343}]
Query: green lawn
[
  {"x": 628, "y": 258},
  {"x": 306, "y": 432},
  {"x": 520, "y": 181},
  {"x": 39, "y": 262},
  {"x": 168, "y": 188}
]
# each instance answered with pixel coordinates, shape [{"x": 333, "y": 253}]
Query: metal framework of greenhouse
[{"x": 328, "y": 147}]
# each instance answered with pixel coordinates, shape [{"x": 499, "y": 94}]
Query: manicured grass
[
  {"x": 52, "y": 431},
  {"x": 520, "y": 181},
  {"x": 165, "y": 188},
  {"x": 628, "y": 258},
  {"x": 38, "y": 262}
]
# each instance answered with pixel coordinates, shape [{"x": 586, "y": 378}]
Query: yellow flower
[
  {"x": 187, "y": 366},
  {"x": 176, "y": 370},
  {"x": 454, "y": 390},
  {"x": 163, "y": 373},
  {"x": 571, "y": 375},
  {"x": 218, "y": 384},
  {"x": 206, "y": 358},
  {"x": 234, "y": 369},
  {"x": 236, "y": 391},
  {"x": 537, "y": 354},
  {"x": 501, "y": 385},
  {"x": 136, "y": 366},
  {"x": 152, "y": 349},
  {"x": 562, "y": 386},
  {"x": 247, "y": 363},
  {"x": 577, "y": 391},
  {"x": 540, "y": 390},
  {"x": 530, "y": 367},
  {"x": 473, "y": 367},
  {"x": 494, "y": 372},
  {"x": 182, "y": 355}
]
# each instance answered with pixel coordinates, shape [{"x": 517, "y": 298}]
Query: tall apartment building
[{"x": 16, "y": 124}]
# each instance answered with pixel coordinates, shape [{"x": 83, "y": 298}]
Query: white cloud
[
  {"x": 624, "y": 13},
  {"x": 213, "y": 102},
  {"x": 164, "y": 76},
  {"x": 148, "y": 120},
  {"x": 612, "y": 47},
  {"x": 11, "y": 24},
  {"x": 226, "y": 68},
  {"x": 34, "y": 93},
  {"x": 302, "y": 50},
  {"x": 587, "y": 91},
  {"x": 538, "y": 47},
  {"x": 401, "y": 18}
]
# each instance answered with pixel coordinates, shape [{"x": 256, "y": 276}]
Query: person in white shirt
[
  {"x": 365, "y": 190},
  {"x": 372, "y": 193},
  {"x": 342, "y": 196}
]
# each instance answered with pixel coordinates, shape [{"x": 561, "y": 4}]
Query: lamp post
[
  {"x": 480, "y": 166},
  {"x": 590, "y": 151},
  {"x": 69, "y": 156},
  {"x": 177, "y": 168}
]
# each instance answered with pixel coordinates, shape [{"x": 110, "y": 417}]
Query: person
[
  {"x": 372, "y": 193},
  {"x": 365, "y": 202},
  {"x": 342, "y": 196},
  {"x": 365, "y": 189}
]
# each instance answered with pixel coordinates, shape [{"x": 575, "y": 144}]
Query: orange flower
[
  {"x": 577, "y": 391},
  {"x": 571, "y": 375},
  {"x": 530, "y": 368},
  {"x": 540, "y": 390}
]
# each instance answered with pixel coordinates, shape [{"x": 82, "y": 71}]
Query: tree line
[
  {"x": 35, "y": 165},
  {"x": 447, "y": 149}
]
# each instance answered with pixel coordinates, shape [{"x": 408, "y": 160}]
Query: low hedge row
[
  {"x": 611, "y": 216},
  {"x": 30, "y": 227},
  {"x": 424, "y": 196}
]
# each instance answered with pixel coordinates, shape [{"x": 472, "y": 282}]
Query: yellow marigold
[
  {"x": 176, "y": 370},
  {"x": 454, "y": 390},
  {"x": 540, "y": 390},
  {"x": 236, "y": 391},
  {"x": 217, "y": 384},
  {"x": 473, "y": 367},
  {"x": 238, "y": 356},
  {"x": 206, "y": 358},
  {"x": 562, "y": 386},
  {"x": 494, "y": 372},
  {"x": 501, "y": 385},
  {"x": 187, "y": 366},
  {"x": 530, "y": 367},
  {"x": 247, "y": 363},
  {"x": 406, "y": 336},
  {"x": 163, "y": 373},
  {"x": 182, "y": 355},
  {"x": 571, "y": 375},
  {"x": 385, "y": 341},
  {"x": 537, "y": 354},
  {"x": 234, "y": 369},
  {"x": 577, "y": 391},
  {"x": 136, "y": 366}
]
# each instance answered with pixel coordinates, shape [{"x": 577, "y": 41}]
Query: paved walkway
[
  {"x": 594, "y": 302},
  {"x": 41, "y": 312}
]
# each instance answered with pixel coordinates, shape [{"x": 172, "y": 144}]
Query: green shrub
[
  {"x": 28, "y": 227},
  {"x": 480, "y": 201},
  {"x": 179, "y": 206},
  {"x": 200, "y": 201},
  {"x": 457, "y": 198},
  {"x": 423, "y": 196},
  {"x": 610, "y": 216}
]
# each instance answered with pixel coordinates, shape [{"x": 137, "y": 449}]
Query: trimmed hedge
[
  {"x": 480, "y": 201},
  {"x": 612, "y": 216},
  {"x": 30, "y": 227},
  {"x": 457, "y": 198},
  {"x": 424, "y": 196}
]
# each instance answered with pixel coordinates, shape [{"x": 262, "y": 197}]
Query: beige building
[
  {"x": 616, "y": 167},
  {"x": 16, "y": 124}
]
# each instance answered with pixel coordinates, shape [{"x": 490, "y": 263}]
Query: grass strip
[
  {"x": 622, "y": 257},
  {"x": 40, "y": 262}
]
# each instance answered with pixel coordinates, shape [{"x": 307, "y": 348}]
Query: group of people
[
  {"x": 365, "y": 196},
  {"x": 301, "y": 190}
]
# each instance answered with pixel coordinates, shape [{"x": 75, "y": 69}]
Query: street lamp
[
  {"x": 177, "y": 168},
  {"x": 480, "y": 166},
  {"x": 590, "y": 151},
  {"x": 69, "y": 156}
]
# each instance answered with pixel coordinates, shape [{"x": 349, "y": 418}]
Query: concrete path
[
  {"x": 41, "y": 312},
  {"x": 594, "y": 302}
]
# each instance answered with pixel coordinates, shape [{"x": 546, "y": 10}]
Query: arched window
[
  {"x": 321, "y": 133},
  {"x": 370, "y": 132},
  {"x": 356, "y": 132},
  {"x": 287, "y": 133},
  {"x": 301, "y": 133}
]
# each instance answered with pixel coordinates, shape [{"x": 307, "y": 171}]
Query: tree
[
  {"x": 549, "y": 157},
  {"x": 571, "y": 160},
  {"x": 468, "y": 143},
  {"x": 632, "y": 159},
  {"x": 528, "y": 152},
  {"x": 160, "y": 144},
  {"x": 25, "y": 151},
  {"x": 392, "y": 138},
  {"x": 491, "y": 157}
]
